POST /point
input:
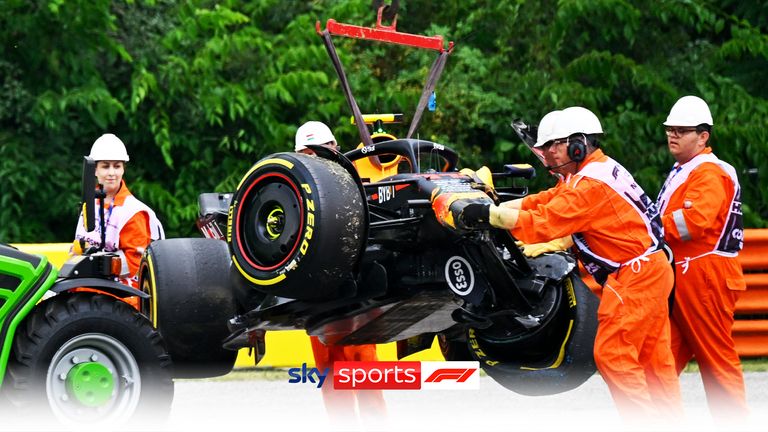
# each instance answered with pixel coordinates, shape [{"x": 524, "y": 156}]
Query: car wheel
[
  {"x": 191, "y": 300},
  {"x": 453, "y": 350},
  {"x": 553, "y": 358},
  {"x": 296, "y": 227}
]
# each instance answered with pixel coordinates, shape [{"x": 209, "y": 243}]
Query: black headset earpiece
[{"x": 577, "y": 148}]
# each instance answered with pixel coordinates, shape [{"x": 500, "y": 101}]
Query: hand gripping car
[
  {"x": 308, "y": 245},
  {"x": 70, "y": 349}
]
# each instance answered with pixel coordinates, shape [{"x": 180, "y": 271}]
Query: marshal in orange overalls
[
  {"x": 632, "y": 346},
  {"x": 707, "y": 285},
  {"x": 134, "y": 238}
]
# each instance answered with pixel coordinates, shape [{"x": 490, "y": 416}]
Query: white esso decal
[{"x": 459, "y": 275}]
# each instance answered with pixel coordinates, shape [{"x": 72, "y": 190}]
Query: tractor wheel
[
  {"x": 86, "y": 359},
  {"x": 297, "y": 226},
  {"x": 191, "y": 300},
  {"x": 553, "y": 358}
]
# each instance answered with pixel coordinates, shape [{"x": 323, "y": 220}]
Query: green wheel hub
[
  {"x": 90, "y": 383},
  {"x": 93, "y": 377}
]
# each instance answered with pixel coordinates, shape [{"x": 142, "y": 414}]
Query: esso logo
[
  {"x": 459, "y": 275},
  {"x": 367, "y": 149}
]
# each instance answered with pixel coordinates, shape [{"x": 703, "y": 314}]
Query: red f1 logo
[
  {"x": 405, "y": 375},
  {"x": 450, "y": 375},
  {"x": 453, "y": 374}
]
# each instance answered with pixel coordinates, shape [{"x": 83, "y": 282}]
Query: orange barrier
[
  {"x": 754, "y": 256},
  {"x": 750, "y": 331},
  {"x": 751, "y": 337},
  {"x": 755, "y": 299}
]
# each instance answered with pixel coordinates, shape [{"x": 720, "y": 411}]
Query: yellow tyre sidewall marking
[
  {"x": 152, "y": 291},
  {"x": 254, "y": 280},
  {"x": 282, "y": 162},
  {"x": 560, "y": 356}
]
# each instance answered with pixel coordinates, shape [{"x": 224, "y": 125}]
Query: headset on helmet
[
  {"x": 313, "y": 132},
  {"x": 108, "y": 147},
  {"x": 577, "y": 121},
  {"x": 577, "y": 148}
]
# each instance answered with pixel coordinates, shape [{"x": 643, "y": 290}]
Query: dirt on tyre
[
  {"x": 556, "y": 358},
  {"x": 296, "y": 226},
  {"x": 191, "y": 300},
  {"x": 84, "y": 358}
]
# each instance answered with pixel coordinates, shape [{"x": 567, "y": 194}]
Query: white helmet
[
  {"x": 313, "y": 132},
  {"x": 689, "y": 111},
  {"x": 574, "y": 120},
  {"x": 546, "y": 127},
  {"x": 110, "y": 148}
]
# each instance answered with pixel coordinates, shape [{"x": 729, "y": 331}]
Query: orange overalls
[
  {"x": 340, "y": 404},
  {"x": 632, "y": 346},
  {"x": 706, "y": 287},
  {"x": 135, "y": 235},
  {"x": 134, "y": 238}
]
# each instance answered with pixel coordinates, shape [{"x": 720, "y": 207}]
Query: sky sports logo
[{"x": 392, "y": 375}]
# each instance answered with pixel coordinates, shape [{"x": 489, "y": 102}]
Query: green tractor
[{"x": 71, "y": 351}]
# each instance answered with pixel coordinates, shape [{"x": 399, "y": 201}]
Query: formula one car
[{"x": 305, "y": 243}]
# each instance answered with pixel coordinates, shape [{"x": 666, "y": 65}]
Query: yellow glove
[
  {"x": 78, "y": 248},
  {"x": 536, "y": 249},
  {"x": 482, "y": 175},
  {"x": 461, "y": 210},
  {"x": 482, "y": 179}
]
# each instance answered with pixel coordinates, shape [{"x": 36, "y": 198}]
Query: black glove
[{"x": 471, "y": 214}]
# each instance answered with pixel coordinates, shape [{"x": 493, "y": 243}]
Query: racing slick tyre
[
  {"x": 190, "y": 302},
  {"x": 297, "y": 226},
  {"x": 453, "y": 350},
  {"x": 553, "y": 358},
  {"x": 88, "y": 359}
]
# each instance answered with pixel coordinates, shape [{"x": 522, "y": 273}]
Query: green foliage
[{"x": 200, "y": 90}]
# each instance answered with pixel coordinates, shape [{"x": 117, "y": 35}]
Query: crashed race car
[{"x": 306, "y": 243}]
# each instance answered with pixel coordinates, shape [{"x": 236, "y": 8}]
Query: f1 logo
[
  {"x": 454, "y": 374},
  {"x": 450, "y": 375}
]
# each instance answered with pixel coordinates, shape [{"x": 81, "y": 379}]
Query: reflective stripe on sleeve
[{"x": 682, "y": 228}]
